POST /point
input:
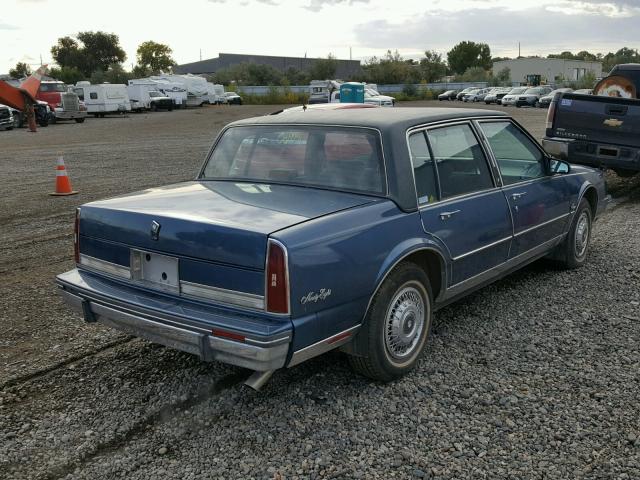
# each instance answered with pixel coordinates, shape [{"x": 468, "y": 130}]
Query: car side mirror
[{"x": 559, "y": 167}]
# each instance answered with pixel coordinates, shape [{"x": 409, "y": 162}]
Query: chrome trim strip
[
  {"x": 477, "y": 250},
  {"x": 446, "y": 201},
  {"x": 322, "y": 346},
  {"x": 493, "y": 272},
  {"x": 543, "y": 224},
  {"x": 221, "y": 295},
  {"x": 191, "y": 290},
  {"x": 105, "y": 267}
]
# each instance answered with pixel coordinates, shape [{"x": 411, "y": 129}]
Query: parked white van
[{"x": 103, "y": 98}]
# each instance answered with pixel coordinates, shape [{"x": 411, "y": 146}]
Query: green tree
[
  {"x": 324, "y": 68},
  {"x": 467, "y": 54},
  {"x": 21, "y": 70},
  {"x": 69, "y": 75},
  {"x": 156, "y": 57},
  {"x": 91, "y": 52},
  {"x": 391, "y": 69},
  {"x": 474, "y": 74},
  {"x": 432, "y": 66},
  {"x": 566, "y": 55}
]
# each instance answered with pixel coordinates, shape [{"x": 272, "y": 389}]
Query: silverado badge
[
  {"x": 155, "y": 230},
  {"x": 613, "y": 122}
]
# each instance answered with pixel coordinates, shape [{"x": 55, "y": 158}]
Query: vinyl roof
[{"x": 382, "y": 118}]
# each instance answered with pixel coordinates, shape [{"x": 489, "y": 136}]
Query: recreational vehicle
[{"x": 103, "y": 98}]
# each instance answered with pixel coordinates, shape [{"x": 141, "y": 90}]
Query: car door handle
[
  {"x": 517, "y": 195},
  {"x": 448, "y": 215}
]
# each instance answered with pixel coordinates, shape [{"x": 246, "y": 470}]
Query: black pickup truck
[{"x": 594, "y": 130}]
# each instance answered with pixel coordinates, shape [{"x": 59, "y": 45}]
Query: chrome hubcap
[
  {"x": 404, "y": 323},
  {"x": 582, "y": 234}
]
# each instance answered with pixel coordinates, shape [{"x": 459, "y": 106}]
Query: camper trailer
[
  {"x": 216, "y": 93},
  {"x": 320, "y": 91},
  {"x": 103, "y": 98},
  {"x": 197, "y": 91}
]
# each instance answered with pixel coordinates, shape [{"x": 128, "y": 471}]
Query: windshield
[
  {"x": 518, "y": 90},
  {"x": 229, "y": 94},
  {"x": 534, "y": 91},
  {"x": 155, "y": 94},
  {"x": 53, "y": 87},
  {"x": 333, "y": 157}
]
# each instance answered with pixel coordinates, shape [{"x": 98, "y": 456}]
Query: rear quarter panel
[{"x": 337, "y": 261}]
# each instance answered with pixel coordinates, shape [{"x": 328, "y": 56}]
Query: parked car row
[{"x": 539, "y": 96}]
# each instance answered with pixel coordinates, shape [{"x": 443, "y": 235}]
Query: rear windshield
[{"x": 332, "y": 157}]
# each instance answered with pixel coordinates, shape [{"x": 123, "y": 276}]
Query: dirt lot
[{"x": 533, "y": 377}]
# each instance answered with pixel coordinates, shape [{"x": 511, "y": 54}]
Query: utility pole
[
  {"x": 519, "y": 50},
  {"x": 200, "y": 54}
]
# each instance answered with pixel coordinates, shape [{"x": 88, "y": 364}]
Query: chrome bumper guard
[{"x": 268, "y": 355}]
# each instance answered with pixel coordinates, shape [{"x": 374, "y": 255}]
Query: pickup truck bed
[{"x": 594, "y": 130}]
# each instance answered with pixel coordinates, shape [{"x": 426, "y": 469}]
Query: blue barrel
[{"x": 352, "y": 92}]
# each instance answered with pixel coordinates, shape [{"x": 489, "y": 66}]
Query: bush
[
  {"x": 276, "y": 96},
  {"x": 419, "y": 93}
]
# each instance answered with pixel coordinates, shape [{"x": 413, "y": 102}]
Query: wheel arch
[
  {"x": 428, "y": 257},
  {"x": 591, "y": 194}
]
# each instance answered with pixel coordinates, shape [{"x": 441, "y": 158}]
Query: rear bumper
[
  {"x": 593, "y": 154},
  {"x": 181, "y": 325}
]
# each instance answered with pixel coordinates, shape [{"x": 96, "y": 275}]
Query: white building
[{"x": 550, "y": 70}]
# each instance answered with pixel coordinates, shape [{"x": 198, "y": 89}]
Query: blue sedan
[{"x": 318, "y": 230}]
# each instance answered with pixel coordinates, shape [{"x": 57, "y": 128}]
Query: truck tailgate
[{"x": 598, "y": 119}]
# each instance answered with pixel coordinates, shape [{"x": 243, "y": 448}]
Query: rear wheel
[
  {"x": 397, "y": 325},
  {"x": 79, "y": 120}
]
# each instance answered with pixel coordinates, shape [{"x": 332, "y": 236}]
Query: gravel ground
[{"x": 533, "y": 377}]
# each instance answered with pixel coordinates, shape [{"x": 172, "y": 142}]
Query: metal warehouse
[
  {"x": 344, "y": 68},
  {"x": 550, "y": 70}
]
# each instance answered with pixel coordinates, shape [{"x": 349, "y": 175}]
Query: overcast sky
[{"x": 28, "y": 28}]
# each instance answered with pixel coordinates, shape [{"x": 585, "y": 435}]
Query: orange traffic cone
[{"x": 63, "y": 185}]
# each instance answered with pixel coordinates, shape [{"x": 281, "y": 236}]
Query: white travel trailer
[
  {"x": 103, "y": 98},
  {"x": 174, "y": 90},
  {"x": 138, "y": 90},
  {"x": 216, "y": 93},
  {"x": 197, "y": 91}
]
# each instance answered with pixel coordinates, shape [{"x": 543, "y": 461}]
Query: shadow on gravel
[{"x": 623, "y": 188}]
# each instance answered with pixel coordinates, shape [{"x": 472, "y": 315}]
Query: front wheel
[
  {"x": 397, "y": 325},
  {"x": 79, "y": 120},
  {"x": 576, "y": 246}
]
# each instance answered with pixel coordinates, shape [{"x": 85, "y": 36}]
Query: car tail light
[
  {"x": 550, "y": 114},
  {"x": 277, "y": 278},
  {"x": 76, "y": 237}
]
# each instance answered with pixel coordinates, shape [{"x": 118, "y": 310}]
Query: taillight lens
[
  {"x": 277, "y": 278},
  {"x": 76, "y": 237},
  {"x": 550, "y": 113}
]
